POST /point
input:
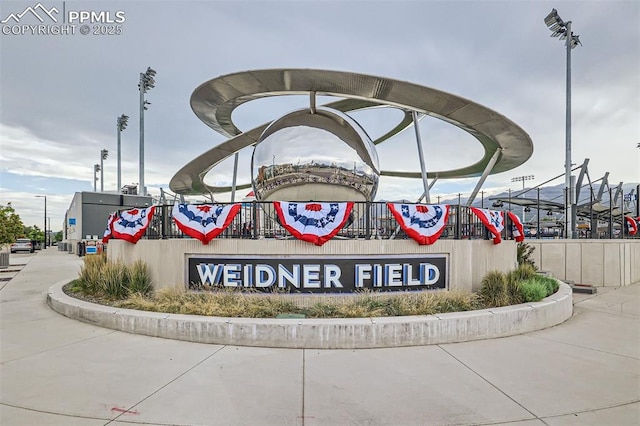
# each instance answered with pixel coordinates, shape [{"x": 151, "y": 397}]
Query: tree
[
  {"x": 11, "y": 226},
  {"x": 57, "y": 237},
  {"x": 34, "y": 233}
]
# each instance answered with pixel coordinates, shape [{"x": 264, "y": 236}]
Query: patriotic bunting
[
  {"x": 632, "y": 225},
  {"x": 316, "y": 223},
  {"x": 107, "y": 232},
  {"x": 423, "y": 223},
  {"x": 204, "y": 222},
  {"x": 493, "y": 220},
  {"x": 516, "y": 227},
  {"x": 131, "y": 224}
]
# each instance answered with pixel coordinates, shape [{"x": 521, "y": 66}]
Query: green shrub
[
  {"x": 533, "y": 290},
  {"x": 523, "y": 272},
  {"x": 139, "y": 279},
  {"x": 493, "y": 289},
  {"x": 514, "y": 278},
  {"x": 550, "y": 284},
  {"x": 524, "y": 252}
]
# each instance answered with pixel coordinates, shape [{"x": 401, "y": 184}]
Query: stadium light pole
[
  {"x": 103, "y": 156},
  {"x": 522, "y": 179},
  {"x": 121, "y": 123},
  {"x": 45, "y": 218},
  {"x": 562, "y": 29},
  {"x": 96, "y": 169},
  {"x": 147, "y": 82}
]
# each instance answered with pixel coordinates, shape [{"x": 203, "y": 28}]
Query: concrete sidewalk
[{"x": 57, "y": 371}]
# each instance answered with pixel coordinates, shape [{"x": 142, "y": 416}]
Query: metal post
[
  {"x": 367, "y": 221},
  {"x": 423, "y": 170},
  {"x": 458, "y": 219},
  {"x": 101, "y": 172},
  {"x": 485, "y": 173},
  {"x": 141, "y": 161},
  {"x": 610, "y": 215},
  {"x": 523, "y": 212},
  {"x": 637, "y": 200},
  {"x": 433, "y": 182},
  {"x": 235, "y": 177},
  {"x": 622, "y": 224},
  {"x": 95, "y": 177},
  {"x": 121, "y": 123},
  {"x": 567, "y": 166},
  {"x": 119, "y": 166},
  {"x": 45, "y": 221},
  {"x": 45, "y": 218},
  {"x": 312, "y": 102},
  {"x": 566, "y": 210},
  {"x": 538, "y": 224},
  {"x": 592, "y": 226}
]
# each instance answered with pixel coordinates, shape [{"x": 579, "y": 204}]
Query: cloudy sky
[{"x": 60, "y": 95}]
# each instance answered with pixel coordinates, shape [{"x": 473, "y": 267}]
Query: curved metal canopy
[{"x": 214, "y": 102}]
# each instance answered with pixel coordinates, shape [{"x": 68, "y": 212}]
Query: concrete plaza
[{"x": 57, "y": 371}]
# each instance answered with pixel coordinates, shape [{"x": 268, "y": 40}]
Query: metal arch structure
[{"x": 505, "y": 144}]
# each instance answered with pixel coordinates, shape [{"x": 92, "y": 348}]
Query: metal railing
[{"x": 368, "y": 220}]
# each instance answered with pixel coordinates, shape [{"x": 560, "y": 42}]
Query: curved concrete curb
[{"x": 324, "y": 333}]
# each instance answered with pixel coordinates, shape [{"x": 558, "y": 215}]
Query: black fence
[{"x": 368, "y": 220}]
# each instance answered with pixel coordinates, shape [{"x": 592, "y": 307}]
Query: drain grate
[{"x": 5, "y": 279}]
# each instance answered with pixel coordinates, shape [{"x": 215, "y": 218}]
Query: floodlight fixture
[
  {"x": 122, "y": 122},
  {"x": 552, "y": 18}
]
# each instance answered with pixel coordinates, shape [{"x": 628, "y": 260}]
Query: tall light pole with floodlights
[
  {"x": 96, "y": 169},
  {"x": 122, "y": 122},
  {"x": 45, "y": 218},
  {"x": 562, "y": 29},
  {"x": 147, "y": 82},
  {"x": 103, "y": 156},
  {"x": 522, "y": 179}
]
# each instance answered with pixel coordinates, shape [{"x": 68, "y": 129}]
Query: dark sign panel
[{"x": 328, "y": 274}]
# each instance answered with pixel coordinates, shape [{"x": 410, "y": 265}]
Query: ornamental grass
[
  {"x": 234, "y": 303},
  {"x": 130, "y": 286}
]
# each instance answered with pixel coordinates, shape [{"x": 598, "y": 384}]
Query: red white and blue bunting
[
  {"x": 493, "y": 220},
  {"x": 316, "y": 223},
  {"x": 422, "y": 222},
  {"x": 516, "y": 227},
  {"x": 632, "y": 224},
  {"x": 131, "y": 224},
  {"x": 204, "y": 222},
  {"x": 108, "y": 232}
]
